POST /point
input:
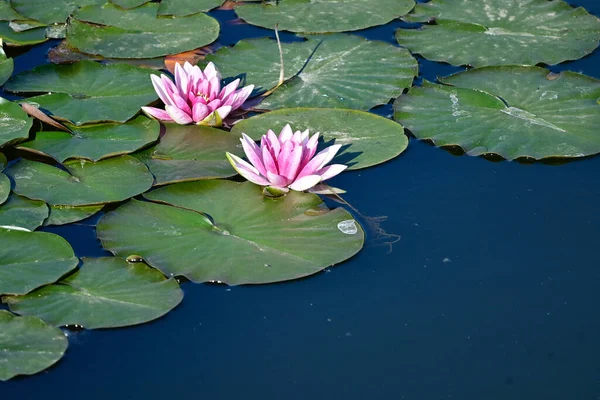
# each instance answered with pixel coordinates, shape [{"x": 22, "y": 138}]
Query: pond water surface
[{"x": 491, "y": 292}]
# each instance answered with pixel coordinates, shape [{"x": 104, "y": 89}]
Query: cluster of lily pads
[{"x": 171, "y": 201}]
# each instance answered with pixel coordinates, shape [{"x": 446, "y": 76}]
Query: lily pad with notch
[
  {"x": 105, "y": 292},
  {"x": 512, "y": 111}
]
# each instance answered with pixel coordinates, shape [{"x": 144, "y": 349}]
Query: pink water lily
[
  {"x": 286, "y": 162},
  {"x": 196, "y": 96}
]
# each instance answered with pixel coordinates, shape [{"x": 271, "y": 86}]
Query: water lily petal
[
  {"x": 178, "y": 115},
  {"x": 305, "y": 183},
  {"x": 214, "y": 87},
  {"x": 199, "y": 111},
  {"x": 277, "y": 180},
  {"x": 286, "y": 133},
  {"x": 223, "y": 111},
  {"x": 241, "y": 95},
  {"x": 268, "y": 161},
  {"x": 310, "y": 148},
  {"x": 246, "y": 170},
  {"x": 253, "y": 153},
  {"x": 331, "y": 170},
  {"x": 157, "y": 113},
  {"x": 290, "y": 165},
  {"x": 228, "y": 90},
  {"x": 181, "y": 80},
  {"x": 319, "y": 161},
  {"x": 161, "y": 90},
  {"x": 210, "y": 72},
  {"x": 273, "y": 141}
]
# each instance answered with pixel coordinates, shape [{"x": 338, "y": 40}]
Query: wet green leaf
[
  {"x": 6, "y": 67},
  {"x": 62, "y": 215},
  {"x": 23, "y": 212},
  {"x": 95, "y": 142},
  {"x": 129, "y": 3},
  {"x": 25, "y": 38},
  {"x": 14, "y": 123},
  {"x": 105, "y": 293},
  {"x": 253, "y": 239},
  {"x": 29, "y": 345},
  {"x": 511, "y": 111},
  {"x": 187, "y": 153},
  {"x": 501, "y": 32},
  {"x": 50, "y": 11},
  {"x": 322, "y": 16},
  {"x": 29, "y": 260},
  {"x": 86, "y": 91},
  {"x": 83, "y": 183},
  {"x": 109, "y": 32},
  {"x": 368, "y": 139},
  {"x": 4, "y": 188},
  {"x": 181, "y": 8}
]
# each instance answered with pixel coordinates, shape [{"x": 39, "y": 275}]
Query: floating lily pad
[
  {"x": 500, "y": 32},
  {"x": 86, "y": 91},
  {"x": 29, "y": 260},
  {"x": 6, "y": 67},
  {"x": 108, "y": 31},
  {"x": 61, "y": 215},
  {"x": 105, "y": 293},
  {"x": 253, "y": 239},
  {"x": 323, "y": 16},
  {"x": 187, "y": 153},
  {"x": 14, "y": 123},
  {"x": 510, "y": 111},
  {"x": 25, "y": 38},
  {"x": 50, "y": 11},
  {"x": 372, "y": 139},
  {"x": 95, "y": 142},
  {"x": 28, "y": 344},
  {"x": 22, "y": 212},
  {"x": 85, "y": 183},
  {"x": 7, "y": 13},
  {"x": 325, "y": 71},
  {"x": 129, "y": 3},
  {"x": 180, "y": 8},
  {"x": 4, "y": 188}
]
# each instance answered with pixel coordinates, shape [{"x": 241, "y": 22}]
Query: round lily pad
[
  {"x": 25, "y": 38},
  {"x": 248, "y": 239},
  {"x": 83, "y": 182},
  {"x": 87, "y": 91},
  {"x": 22, "y": 212},
  {"x": 28, "y": 344},
  {"x": 4, "y": 187},
  {"x": 14, "y": 123},
  {"x": 500, "y": 32},
  {"x": 6, "y": 67},
  {"x": 29, "y": 260},
  {"x": 62, "y": 215},
  {"x": 95, "y": 142},
  {"x": 108, "y": 31},
  {"x": 105, "y": 292},
  {"x": 323, "y": 16},
  {"x": 50, "y": 11},
  {"x": 191, "y": 152},
  {"x": 324, "y": 71},
  {"x": 367, "y": 139},
  {"x": 512, "y": 111},
  {"x": 180, "y": 8}
]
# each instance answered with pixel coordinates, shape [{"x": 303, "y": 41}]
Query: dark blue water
[{"x": 491, "y": 294}]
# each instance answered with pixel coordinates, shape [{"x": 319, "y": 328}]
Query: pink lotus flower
[
  {"x": 196, "y": 96},
  {"x": 286, "y": 162}
]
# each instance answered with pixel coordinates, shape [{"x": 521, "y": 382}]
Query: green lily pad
[
  {"x": 25, "y": 38},
  {"x": 95, "y": 142},
  {"x": 14, "y": 123},
  {"x": 372, "y": 139},
  {"x": 23, "y": 212},
  {"x": 323, "y": 16},
  {"x": 62, "y": 215},
  {"x": 50, "y": 11},
  {"x": 108, "y": 31},
  {"x": 180, "y": 8},
  {"x": 29, "y": 260},
  {"x": 3, "y": 161},
  {"x": 325, "y": 71},
  {"x": 86, "y": 91},
  {"x": 253, "y": 239},
  {"x": 7, "y": 13},
  {"x": 29, "y": 345},
  {"x": 129, "y": 3},
  {"x": 105, "y": 293},
  {"x": 85, "y": 183},
  {"x": 6, "y": 67},
  {"x": 191, "y": 152},
  {"x": 511, "y": 111},
  {"x": 4, "y": 187},
  {"x": 500, "y": 32}
]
